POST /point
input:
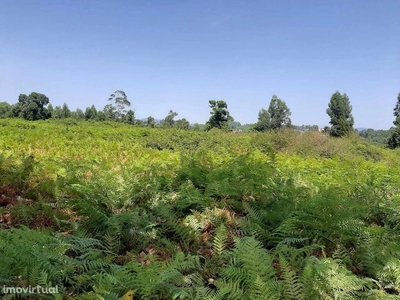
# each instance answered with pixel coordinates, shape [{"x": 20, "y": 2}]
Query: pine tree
[{"x": 339, "y": 110}]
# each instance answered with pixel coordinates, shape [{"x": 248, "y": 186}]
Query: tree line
[{"x": 36, "y": 106}]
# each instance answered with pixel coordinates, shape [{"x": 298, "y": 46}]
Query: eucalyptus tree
[
  {"x": 279, "y": 114},
  {"x": 121, "y": 103}
]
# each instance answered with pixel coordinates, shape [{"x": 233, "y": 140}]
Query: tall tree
[
  {"x": 169, "y": 119},
  {"x": 219, "y": 115},
  {"x": 396, "y": 112},
  {"x": 394, "y": 140},
  {"x": 32, "y": 107},
  {"x": 90, "y": 113},
  {"x": 279, "y": 114},
  {"x": 78, "y": 114},
  {"x": 110, "y": 112},
  {"x": 130, "y": 117},
  {"x": 140, "y": 122},
  {"x": 50, "y": 109},
  {"x": 5, "y": 110},
  {"x": 182, "y": 124},
  {"x": 121, "y": 103},
  {"x": 151, "y": 122},
  {"x": 57, "y": 112},
  {"x": 339, "y": 110},
  {"x": 101, "y": 116},
  {"x": 263, "y": 123},
  {"x": 66, "y": 112}
]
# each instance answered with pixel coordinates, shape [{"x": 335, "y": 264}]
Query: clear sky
[{"x": 169, "y": 54}]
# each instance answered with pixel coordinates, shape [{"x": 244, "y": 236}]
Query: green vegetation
[
  {"x": 394, "y": 140},
  {"x": 219, "y": 115},
  {"x": 277, "y": 116},
  {"x": 376, "y": 136},
  {"x": 121, "y": 102},
  {"x": 107, "y": 210},
  {"x": 32, "y": 107},
  {"x": 339, "y": 110}
]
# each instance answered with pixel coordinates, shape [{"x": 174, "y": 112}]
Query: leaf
[{"x": 129, "y": 295}]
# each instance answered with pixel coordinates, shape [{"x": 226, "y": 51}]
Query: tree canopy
[
  {"x": 151, "y": 122},
  {"x": 219, "y": 115},
  {"x": 90, "y": 113},
  {"x": 394, "y": 140},
  {"x": 263, "y": 123},
  {"x": 169, "y": 121},
  {"x": 277, "y": 116},
  {"x": 129, "y": 117},
  {"x": 121, "y": 102},
  {"x": 32, "y": 107},
  {"x": 339, "y": 110},
  {"x": 182, "y": 124},
  {"x": 5, "y": 110},
  {"x": 66, "y": 112},
  {"x": 279, "y": 113}
]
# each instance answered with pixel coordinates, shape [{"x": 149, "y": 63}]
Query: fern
[
  {"x": 248, "y": 272},
  {"x": 220, "y": 240},
  {"x": 389, "y": 276},
  {"x": 292, "y": 285}
]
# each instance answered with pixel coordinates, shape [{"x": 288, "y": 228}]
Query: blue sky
[{"x": 177, "y": 55}]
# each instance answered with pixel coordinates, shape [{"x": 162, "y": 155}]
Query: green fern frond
[
  {"x": 220, "y": 240},
  {"x": 389, "y": 276},
  {"x": 292, "y": 285}
]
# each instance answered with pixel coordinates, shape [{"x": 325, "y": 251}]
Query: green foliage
[
  {"x": 32, "y": 107},
  {"x": 394, "y": 139},
  {"x": 279, "y": 114},
  {"x": 78, "y": 114},
  {"x": 169, "y": 121},
  {"x": 219, "y": 115},
  {"x": 5, "y": 110},
  {"x": 151, "y": 122},
  {"x": 276, "y": 117},
  {"x": 339, "y": 110},
  {"x": 112, "y": 209},
  {"x": 130, "y": 117},
  {"x": 263, "y": 123},
  {"x": 65, "y": 111},
  {"x": 182, "y": 124},
  {"x": 121, "y": 102},
  {"x": 376, "y": 136},
  {"x": 91, "y": 113},
  {"x": 396, "y": 112}
]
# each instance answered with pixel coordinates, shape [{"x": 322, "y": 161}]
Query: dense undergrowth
[{"x": 106, "y": 210}]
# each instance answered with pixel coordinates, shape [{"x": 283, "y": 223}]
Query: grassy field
[{"x": 109, "y": 211}]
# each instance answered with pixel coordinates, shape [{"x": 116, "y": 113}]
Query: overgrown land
[{"x": 106, "y": 210}]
